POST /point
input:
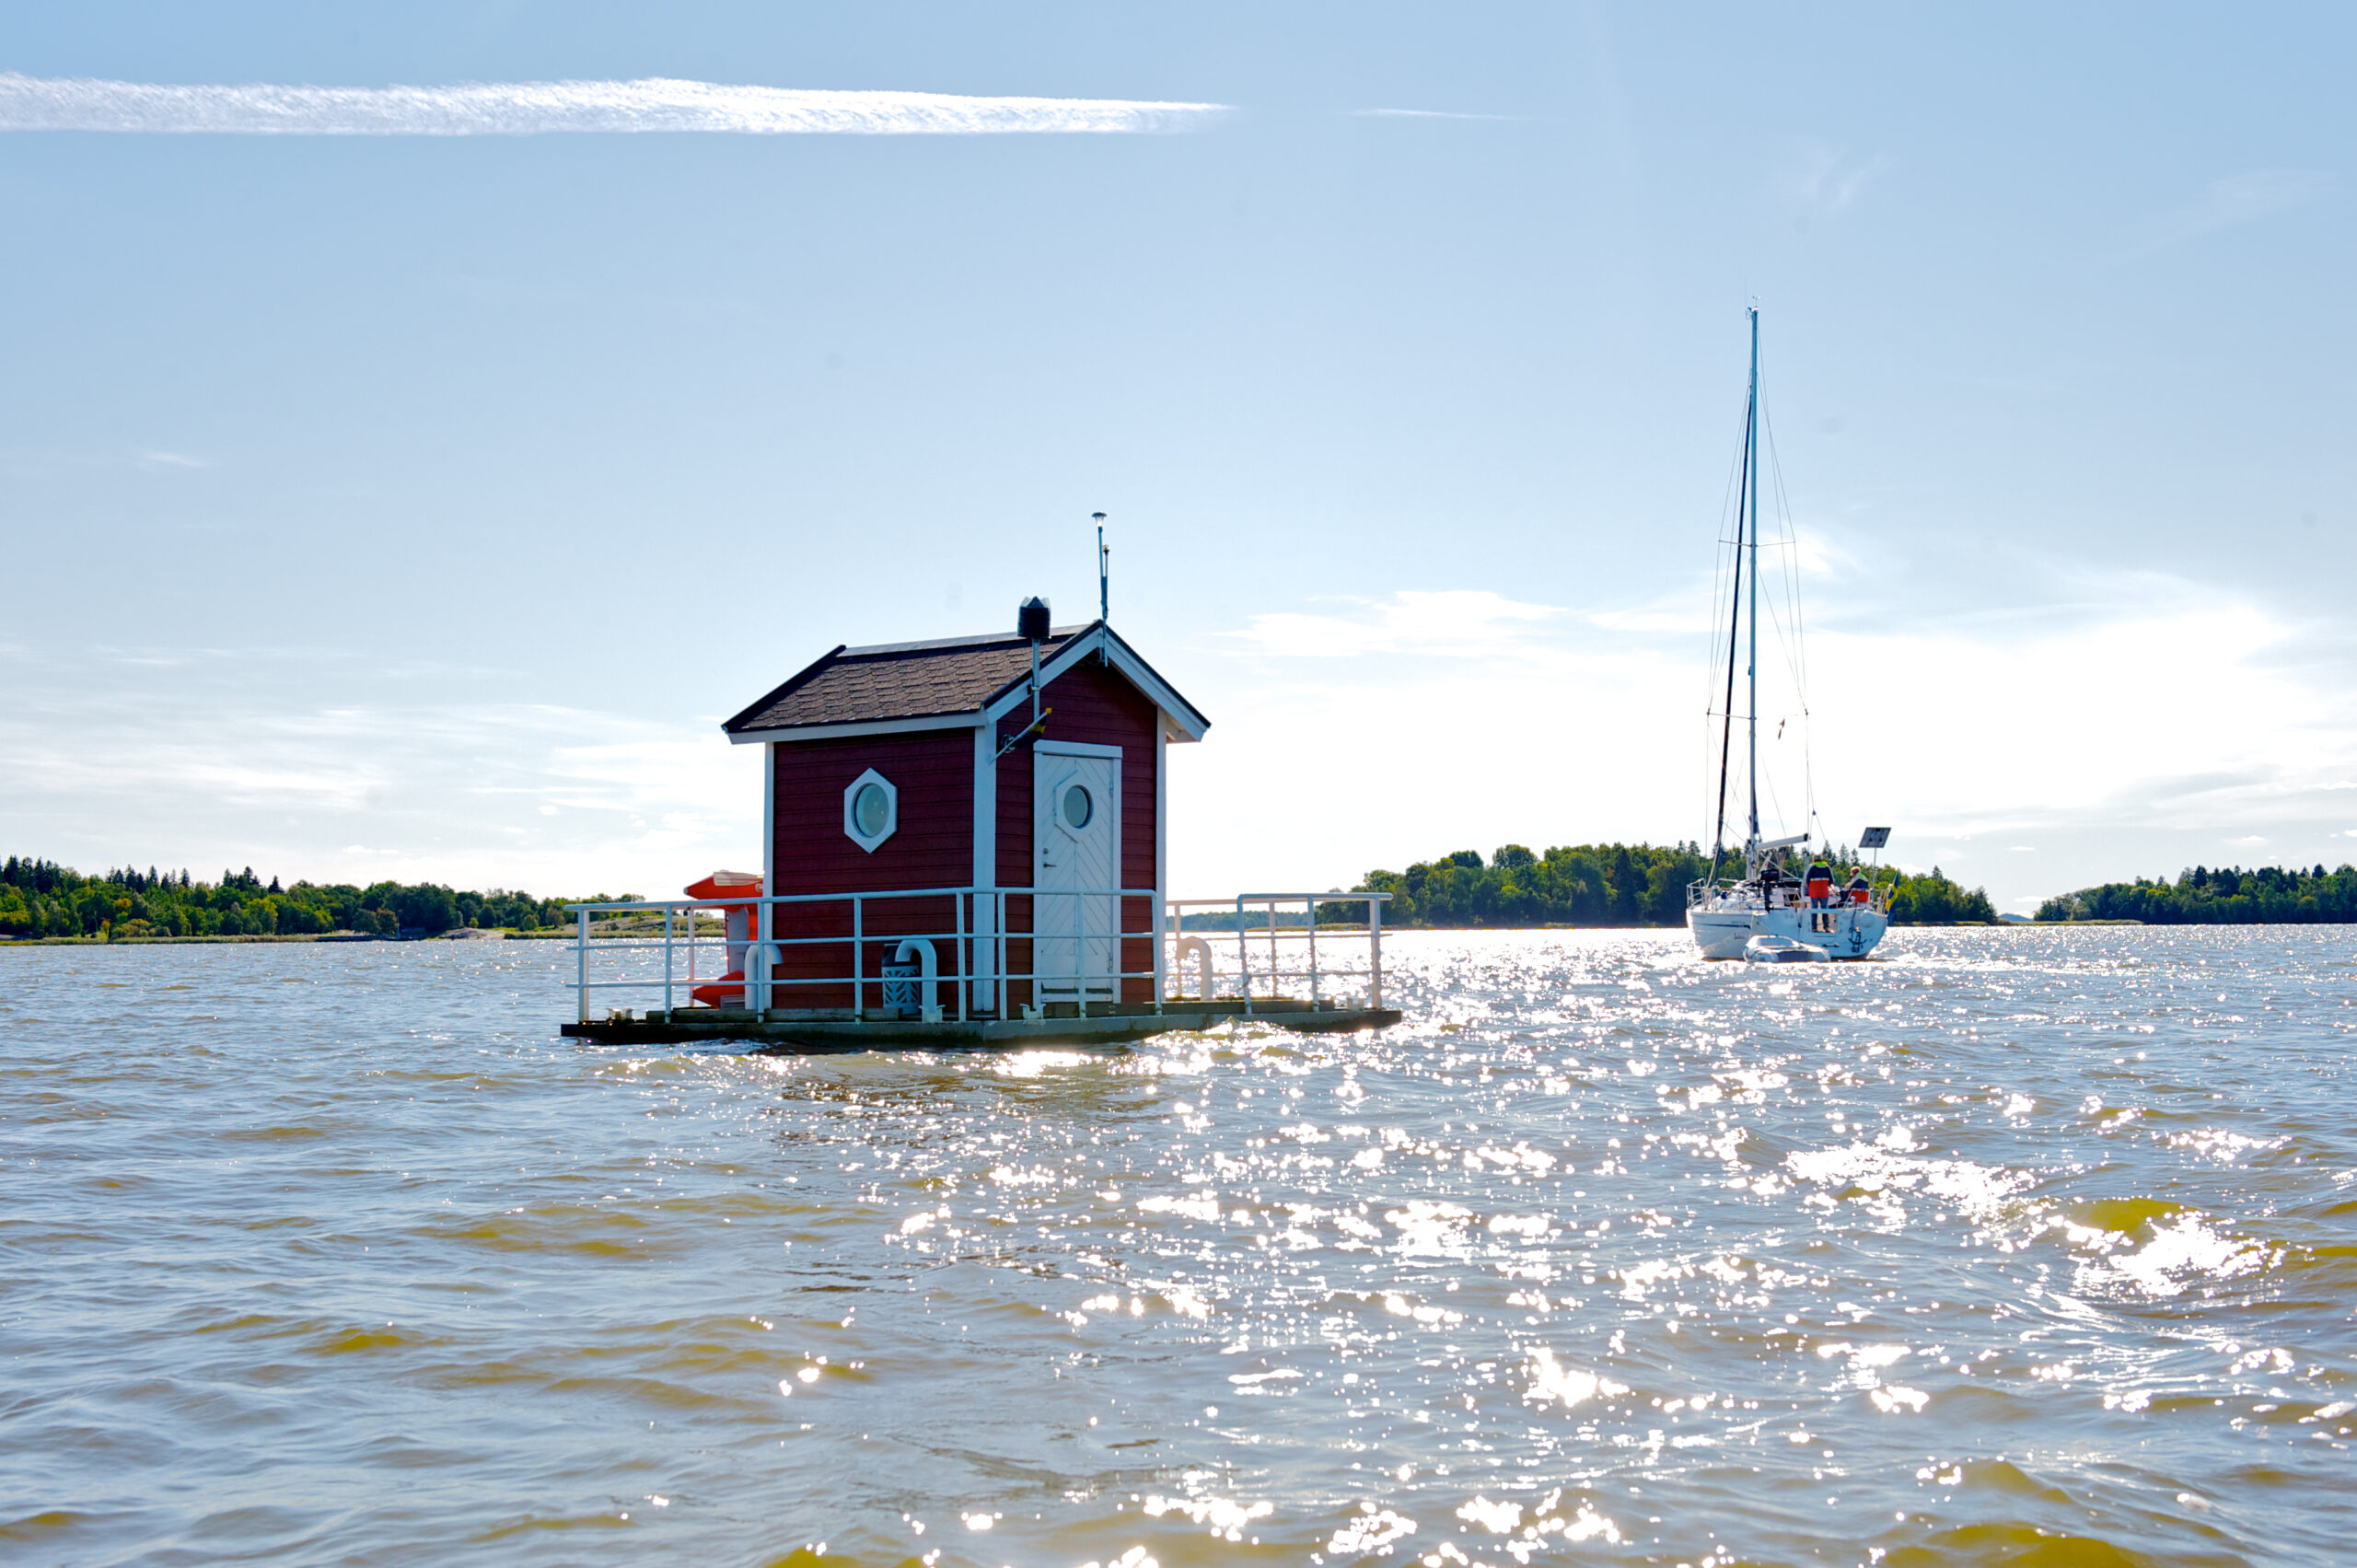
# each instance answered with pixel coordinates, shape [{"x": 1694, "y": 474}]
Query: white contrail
[
  {"x": 1423, "y": 114},
  {"x": 524, "y": 109}
]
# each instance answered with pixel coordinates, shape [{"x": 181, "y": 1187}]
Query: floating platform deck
[{"x": 1101, "y": 1024}]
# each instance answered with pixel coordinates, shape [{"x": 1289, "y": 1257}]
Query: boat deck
[{"x": 1102, "y": 1023}]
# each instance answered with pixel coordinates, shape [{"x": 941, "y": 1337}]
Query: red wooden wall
[
  {"x": 933, "y": 847},
  {"x": 934, "y": 844}
]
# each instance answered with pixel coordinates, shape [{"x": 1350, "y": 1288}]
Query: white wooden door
[{"x": 1076, "y": 868}]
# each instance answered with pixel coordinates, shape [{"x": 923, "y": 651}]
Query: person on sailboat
[{"x": 1860, "y": 889}]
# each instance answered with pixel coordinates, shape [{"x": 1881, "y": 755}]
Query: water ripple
[{"x": 2021, "y": 1247}]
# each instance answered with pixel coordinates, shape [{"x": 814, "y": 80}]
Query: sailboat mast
[
  {"x": 1734, "y": 636},
  {"x": 1751, "y": 483}
]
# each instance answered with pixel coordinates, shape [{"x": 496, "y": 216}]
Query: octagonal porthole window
[
  {"x": 871, "y": 811},
  {"x": 1072, "y": 805}
]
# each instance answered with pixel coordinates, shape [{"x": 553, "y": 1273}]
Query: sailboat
[{"x": 1767, "y": 914}]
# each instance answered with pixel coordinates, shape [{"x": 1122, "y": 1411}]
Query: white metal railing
[
  {"x": 906, "y": 970},
  {"x": 1291, "y": 965},
  {"x": 1729, "y": 892}
]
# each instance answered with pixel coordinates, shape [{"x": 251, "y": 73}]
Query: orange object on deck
[
  {"x": 717, "y": 886},
  {"x": 722, "y": 996},
  {"x": 726, "y": 884}
]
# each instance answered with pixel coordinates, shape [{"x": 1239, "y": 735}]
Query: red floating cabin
[
  {"x": 965, "y": 843},
  {"x": 1002, "y": 801}
]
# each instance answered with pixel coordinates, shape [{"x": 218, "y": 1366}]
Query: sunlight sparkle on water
[{"x": 2020, "y": 1242}]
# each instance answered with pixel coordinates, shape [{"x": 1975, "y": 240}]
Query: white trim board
[
  {"x": 1172, "y": 706},
  {"x": 966, "y": 720},
  {"x": 769, "y": 822},
  {"x": 1161, "y": 857},
  {"x": 990, "y": 953},
  {"x": 985, "y": 810}
]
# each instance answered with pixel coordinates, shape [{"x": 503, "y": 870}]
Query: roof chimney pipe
[{"x": 1031, "y": 625}]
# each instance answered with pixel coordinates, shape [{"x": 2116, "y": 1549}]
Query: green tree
[
  {"x": 2218, "y": 895},
  {"x": 39, "y": 898},
  {"x": 1933, "y": 900}
]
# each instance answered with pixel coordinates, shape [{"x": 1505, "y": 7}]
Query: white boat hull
[{"x": 1724, "y": 927}]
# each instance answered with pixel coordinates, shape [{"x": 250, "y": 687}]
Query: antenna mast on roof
[{"x": 1104, "y": 572}]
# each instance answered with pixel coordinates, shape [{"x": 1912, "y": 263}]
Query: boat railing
[
  {"x": 937, "y": 954},
  {"x": 1734, "y": 893}
]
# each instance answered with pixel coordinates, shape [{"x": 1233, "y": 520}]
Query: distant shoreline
[
  {"x": 564, "y": 934},
  {"x": 1293, "y": 923}
]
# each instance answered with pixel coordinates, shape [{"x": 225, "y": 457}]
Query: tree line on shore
[
  {"x": 2225, "y": 895},
  {"x": 40, "y": 898},
  {"x": 1626, "y": 885}
]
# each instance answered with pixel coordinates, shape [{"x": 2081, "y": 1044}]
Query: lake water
[{"x": 2023, "y": 1247}]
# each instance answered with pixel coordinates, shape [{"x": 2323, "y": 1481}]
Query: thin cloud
[
  {"x": 1688, "y": 609},
  {"x": 529, "y": 109},
  {"x": 2235, "y": 200},
  {"x": 1456, "y": 622},
  {"x": 1423, "y": 114},
  {"x": 1833, "y": 181},
  {"x": 225, "y": 760},
  {"x": 1583, "y": 724}
]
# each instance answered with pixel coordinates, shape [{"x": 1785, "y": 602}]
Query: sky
[{"x": 421, "y": 425}]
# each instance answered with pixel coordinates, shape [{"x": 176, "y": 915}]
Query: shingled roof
[
  {"x": 955, "y": 676},
  {"x": 900, "y": 680}
]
